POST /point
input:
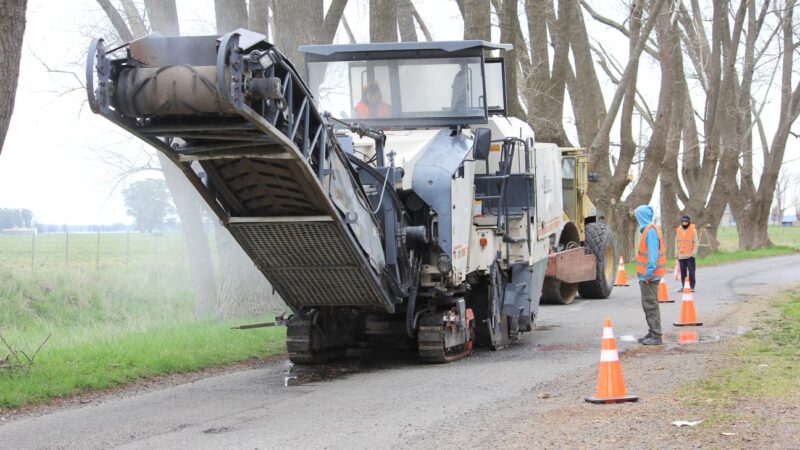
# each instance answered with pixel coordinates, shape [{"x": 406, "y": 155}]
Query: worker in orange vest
[
  {"x": 372, "y": 105},
  {"x": 686, "y": 249},
  {"x": 651, "y": 266}
]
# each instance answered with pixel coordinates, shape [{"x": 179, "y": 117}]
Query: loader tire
[
  {"x": 557, "y": 292},
  {"x": 600, "y": 242}
]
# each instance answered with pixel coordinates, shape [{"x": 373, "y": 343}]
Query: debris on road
[{"x": 686, "y": 423}]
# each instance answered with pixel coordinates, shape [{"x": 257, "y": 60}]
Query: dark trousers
[
  {"x": 687, "y": 265},
  {"x": 652, "y": 312}
]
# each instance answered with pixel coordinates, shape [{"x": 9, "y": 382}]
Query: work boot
[
  {"x": 652, "y": 340},
  {"x": 646, "y": 336},
  {"x": 679, "y": 290}
]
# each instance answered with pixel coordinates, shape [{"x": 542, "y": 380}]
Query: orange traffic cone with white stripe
[
  {"x": 622, "y": 278},
  {"x": 610, "y": 385},
  {"x": 662, "y": 295},
  {"x": 688, "y": 317}
]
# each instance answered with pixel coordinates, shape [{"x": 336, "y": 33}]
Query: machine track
[
  {"x": 431, "y": 341},
  {"x": 303, "y": 345}
]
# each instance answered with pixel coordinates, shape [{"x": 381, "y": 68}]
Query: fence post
[
  {"x": 33, "y": 250},
  {"x": 97, "y": 254},
  {"x": 66, "y": 252}
]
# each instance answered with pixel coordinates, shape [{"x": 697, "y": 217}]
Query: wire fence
[{"x": 91, "y": 251}]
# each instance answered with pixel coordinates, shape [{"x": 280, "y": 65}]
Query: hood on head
[{"x": 644, "y": 214}]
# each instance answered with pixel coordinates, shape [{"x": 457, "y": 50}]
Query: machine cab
[{"x": 407, "y": 85}]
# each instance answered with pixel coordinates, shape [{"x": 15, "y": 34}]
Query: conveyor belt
[{"x": 275, "y": 176}]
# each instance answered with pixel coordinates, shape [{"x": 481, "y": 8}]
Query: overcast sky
[{"x": 50, "y": 162}]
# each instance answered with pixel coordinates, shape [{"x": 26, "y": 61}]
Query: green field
[
  {"x": 780, "y": 236},
  {"x": 115, "y": 313}
]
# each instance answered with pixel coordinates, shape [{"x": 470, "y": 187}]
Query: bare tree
[
  {"x": 299, "y": 22},
  {"x": 717, "y": 163},
  {"x": 382, "y": 21},
  {"x": 477, "y": 19},
  {"x": 12, "y": 27},
  {"x": 258, "y": 16},
  {"x": 750, "y": 203},
  {"x": 163, "y": 16},
  {"x": 608, "y": 190},
  {"x": 230, "y": 15},
  {"x": 405, "y": 21},
  {"x": 509, "y": 24},
  {"x": 782, "y": 186},
  {"x": 545, "y": 87}
]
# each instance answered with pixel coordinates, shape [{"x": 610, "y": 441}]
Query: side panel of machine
[
  {"x": 461, "y": 194},
  {"x": 433, "y": 181},
  {"x": 549, "y": 206}
]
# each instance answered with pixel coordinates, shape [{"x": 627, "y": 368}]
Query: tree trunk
[
  {"x": 330, "y": 23},
  {"x": 258, "y": 17},
  {"x": 478, "y": 20},
  {"x": 546, "y": 87},
  {"x": 509, "y": 19},
  {"x": 244, "y": 291},
  {"x": 382, "y": 21},
  {"x": 752, "y": 229},
  {"x": 626, "y": 229},
  {"x": 163, "y": 16},
  {"x": 188, "y": 206},
  {"x": 296, "y": 24},
  {"x": 12, "y": 27},
  {"x": 230, "y": 15},
  {"x": 405, "y": 21}
]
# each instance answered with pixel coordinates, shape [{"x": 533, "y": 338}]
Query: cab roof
[{"x": 385, "y": 50}]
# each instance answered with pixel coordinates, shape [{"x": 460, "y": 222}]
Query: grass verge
[
  {"x": 104, "y": 356},
  {"x": 119, "y": 309},
  {"x": 761, "y": 377}
]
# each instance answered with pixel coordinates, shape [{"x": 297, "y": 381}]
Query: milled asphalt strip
[{"x": 385, "y": 407}]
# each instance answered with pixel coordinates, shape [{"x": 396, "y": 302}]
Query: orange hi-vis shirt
[
  {"x": 685, "y": 241},
  {"x": 381, "y": 111},
  {"x": 641, "y": 255}
]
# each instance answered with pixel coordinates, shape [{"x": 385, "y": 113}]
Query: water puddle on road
[{"x": 682, "y": 337}]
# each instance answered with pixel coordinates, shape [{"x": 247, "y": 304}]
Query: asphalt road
[{"x": 382, "y": 399}]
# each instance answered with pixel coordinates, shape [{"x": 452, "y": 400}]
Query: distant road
[{"x": 387, "y": 399}]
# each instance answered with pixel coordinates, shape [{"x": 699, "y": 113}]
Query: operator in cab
[{"x": 372, "y": 105}]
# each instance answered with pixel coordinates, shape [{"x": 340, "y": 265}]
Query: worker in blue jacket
[{"x": 651, "y": 266}]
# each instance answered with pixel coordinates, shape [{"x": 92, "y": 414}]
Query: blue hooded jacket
[{"x": 644, "y": 214}]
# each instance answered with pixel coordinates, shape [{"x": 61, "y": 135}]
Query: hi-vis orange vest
[
  {"x": 363, "y": 112},
  {"x": 641, "y": 256},
  {"x": 685, "y": 240}
]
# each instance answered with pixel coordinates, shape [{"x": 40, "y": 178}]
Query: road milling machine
[{"x": 387, "y": 197}]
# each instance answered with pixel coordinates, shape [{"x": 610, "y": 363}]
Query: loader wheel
[
  {"x": 601, "y": 243},
  {"x": 558, "y": 292}
]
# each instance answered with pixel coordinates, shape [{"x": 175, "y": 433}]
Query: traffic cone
[
  {"x": 688, "y": 317},
  {"x": 662, "y": 295},
  {"x": 622, "y": 278},
  {"x": 610, "y": 385},
  {"x": 688, "y": 337}
]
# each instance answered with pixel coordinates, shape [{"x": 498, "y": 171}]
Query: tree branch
[
  {"x": 331, "y": 22},
  {"x": 116, "y": 20}
]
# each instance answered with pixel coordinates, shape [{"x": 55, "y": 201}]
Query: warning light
[{"x": 483, "y": 241}]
